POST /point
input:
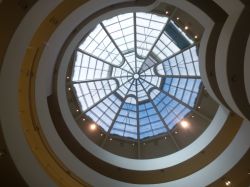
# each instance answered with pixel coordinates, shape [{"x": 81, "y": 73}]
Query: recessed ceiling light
[
  {"x": 101, "y": 134},
  {"x": 192, "y": 116},
  {"x": 83, "y": 119},
  {"x": 69, "y": 89},
  {"x": 165, "y": 137},
  {"x": 184, "y": 124},
  {"x": 195, "y": 36},
  {"x": 228, "y": 183},
  {"x": 77, "y": 110},
  {"x": 67, "y": 77},
  {"x": 110, "y": 139},
  {"x": 186, "y": 27},
  {"x": 167, "y": 12},
  {"x": 199, "y": 106},
  {"x": 177, "y": 18},
  {"x": 93, "y": 127}
]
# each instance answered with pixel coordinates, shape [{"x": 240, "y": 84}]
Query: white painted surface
[{"x": 233, "y": 9}]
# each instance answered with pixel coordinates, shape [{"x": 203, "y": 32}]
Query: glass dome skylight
[{"x": 136, "y": 75}]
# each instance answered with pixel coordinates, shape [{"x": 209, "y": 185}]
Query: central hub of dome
[{"x": 136, "y": 76}]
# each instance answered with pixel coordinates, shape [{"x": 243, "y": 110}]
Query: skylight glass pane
[
  {"x": 100, "y": 45},
  {"x": 94, "y": 91},
  {"x": 169, "y": 109},
  {"x": 183, "y": 89},
  {"x": 126, "y": 120},
  {"x": 131, "y": 60},
  {"x": 101, "y": 112},
  {"x": 148, "y": 63},
  {"x": 165, "y": 47},
  {"x": 121, "y": 29},
  {"x": 147, "y": 31},
  {"x": 89, "y": 68},
  {"x": 182, "y": 64}
]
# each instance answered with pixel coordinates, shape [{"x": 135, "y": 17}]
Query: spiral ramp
[{"x": 38, "y": 147}]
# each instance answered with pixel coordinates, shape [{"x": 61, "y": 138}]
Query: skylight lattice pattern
[{"x": 131, "y": 78}]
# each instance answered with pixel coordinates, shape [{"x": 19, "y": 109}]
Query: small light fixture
[
  {"x": 77, "y": 110},
  {"x": 110, "y": 139},
  {"x": 228, "y": 183},
  {"x": 176, "y": 132},
  {"x": 199, "y": 107},
  {"x": 101, "y": 134},
  {"x": 69, "y": 89},
  {"x": 186, "y": 27},
  {"x": 83, "y": 119},
  {"x": 192, "y": 116},
  {"x": 93, "y": 127},
  {"x": 133, "y": 144},
  {"x": 195, "y": 36},
  {"x": 67, "y": 77},
  {"x": 167, "y": 12},
  {"x": 177, "y": 18},
  {"x": 165, "y": 137},
  {"x": 184, "y": 124}
]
